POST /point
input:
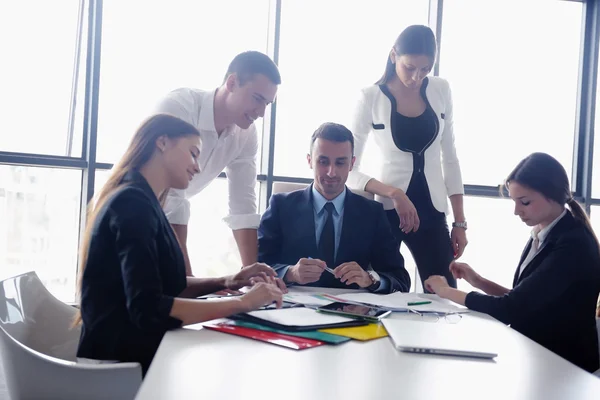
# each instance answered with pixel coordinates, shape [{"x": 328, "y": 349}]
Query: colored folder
[
  {"x": 316, "y": 335},
  {"x": 366, "y": 332},
  {"x": 291, "y": 342}
]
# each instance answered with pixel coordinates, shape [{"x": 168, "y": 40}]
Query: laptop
[{"x": 437, "y": 338}]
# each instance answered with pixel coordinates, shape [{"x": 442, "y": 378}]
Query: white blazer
[{"x": 374, "y": 114}]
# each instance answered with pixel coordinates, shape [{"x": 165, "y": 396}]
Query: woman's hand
[
  {"x": 409, "y": 219},
  {"x": 459, "y": 241},
  {"x": 270, "y": 280},
  {"x": 464, "y": 271},
  {"x": 243, "y": 277},
  {"x": 436, "y": 283},
  {"x": 260, "y": 295}
]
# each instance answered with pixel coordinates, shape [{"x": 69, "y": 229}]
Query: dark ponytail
[
  {"x": 415, "y": 40},
  {"x": 544, "y": 174}
]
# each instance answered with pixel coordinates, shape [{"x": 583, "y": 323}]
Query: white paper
[
  {"x": 306, "y": 298},
  {"x": 298, "y": 317},
  {"x": 399, "y": 301}
]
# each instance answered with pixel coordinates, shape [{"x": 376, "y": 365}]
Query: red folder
[{"x": 291, "y": 342}]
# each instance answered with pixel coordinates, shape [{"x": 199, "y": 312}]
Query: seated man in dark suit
[{"x": 325, "y": 235}]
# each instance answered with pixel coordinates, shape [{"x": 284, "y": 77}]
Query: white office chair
[
  {"x": 38, "y": 349},
  {"x": 283, "y": 187}
]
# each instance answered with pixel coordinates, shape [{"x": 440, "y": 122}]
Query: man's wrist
[
  {"x": 374, "y": 281},
  {"x": 289, "y": 275}
]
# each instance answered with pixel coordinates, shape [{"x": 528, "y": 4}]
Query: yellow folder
[{"x": 365, "y": 332}]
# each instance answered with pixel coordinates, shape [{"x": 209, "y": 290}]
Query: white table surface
[{"x": 196, "y": 363}]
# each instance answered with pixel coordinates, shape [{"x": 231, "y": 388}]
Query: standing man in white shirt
[{"x": 225, "y": 119}]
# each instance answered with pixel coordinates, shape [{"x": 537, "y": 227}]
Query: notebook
[
  {"x": 438, "y": 338},
  {"x": 298, "y": 319}
]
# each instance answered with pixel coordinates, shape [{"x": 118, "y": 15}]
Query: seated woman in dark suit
[
  {"x": 557, "y": 281},
  {"x": 132, "y": 272}
]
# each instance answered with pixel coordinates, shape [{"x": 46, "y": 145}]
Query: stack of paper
[{"x": 400, "y": 302}]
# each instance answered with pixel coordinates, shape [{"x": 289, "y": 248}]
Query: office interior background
[{"x": 78, "y": 77}]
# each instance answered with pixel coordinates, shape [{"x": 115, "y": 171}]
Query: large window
[
  {"x": 39, "y": 210},
  {"x": 329, "y": 50},
  {"x": 512, "y": 66},
  {"x": 211, "y": 245},
  {"x": 496, "y": 239},
  {"x": 171, "y": 44},
  {"x": 38, "y": 65}
]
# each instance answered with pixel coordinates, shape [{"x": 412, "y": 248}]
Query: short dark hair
[
  {"x": 414, "y": 40},
  {"x": 333, "y": 132},
  {"x": 249, "y": 63}
]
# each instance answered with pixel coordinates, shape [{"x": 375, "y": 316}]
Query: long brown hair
[
  {"x": 544, "y": 174},
  {"x": 140, "y": 150}
]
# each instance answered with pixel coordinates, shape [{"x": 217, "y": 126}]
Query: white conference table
[{"x": 196, "y": 363}]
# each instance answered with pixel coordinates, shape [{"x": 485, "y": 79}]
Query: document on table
[
  {"x": 310, "y": 299},
  {"x": 399, "y": 302},
  {"x": 298, "y": 317}
]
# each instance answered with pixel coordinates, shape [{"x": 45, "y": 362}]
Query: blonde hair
[{"x": 140, "y": 150}]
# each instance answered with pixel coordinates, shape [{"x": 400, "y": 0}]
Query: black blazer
[
  {"x": 134, "y": 270},
  {"x": 554, "y": 299},
  {"x": 287, "y": 233}
]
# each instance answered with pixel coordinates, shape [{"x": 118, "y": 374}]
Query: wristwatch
[
  {"x": 462, "y": 224},
  {"x": 375, "y": 280}
]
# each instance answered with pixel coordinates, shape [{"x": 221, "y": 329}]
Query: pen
[
  {"x": 326, "y": 267},
  {"x": 418, "y": 303}
]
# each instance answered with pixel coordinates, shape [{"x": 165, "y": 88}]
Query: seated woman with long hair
[
  {"x": 133, "y": 284},
  {"x": 557, "y": 281}
]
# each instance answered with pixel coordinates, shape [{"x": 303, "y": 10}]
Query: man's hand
[
  {"x": 351, "y": 272},
  {"x": 243, "y": 278},
  {"x": 306, "y": 270}
]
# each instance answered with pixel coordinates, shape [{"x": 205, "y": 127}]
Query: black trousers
[{"x": 430, "y": 246}]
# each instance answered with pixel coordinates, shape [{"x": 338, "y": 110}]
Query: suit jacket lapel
[
  {"x": 349, "y": 221},
  {"x": 523, "y": 257},
  {"x": 561, "y": 226},
  {"x": 305, "y": 222}
]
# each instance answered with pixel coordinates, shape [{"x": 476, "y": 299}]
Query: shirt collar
[
  {"x": 319, "y": 201},
  {"x": 543, "y": 233},
  {"x": 207, "y": 112},
  {"x": 207, "y": 116}
]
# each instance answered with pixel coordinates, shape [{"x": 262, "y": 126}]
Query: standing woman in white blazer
[{"x": 410, "y": 116}]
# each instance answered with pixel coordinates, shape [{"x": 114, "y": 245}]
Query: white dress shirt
[
  {"x": 373, "y": 115},
  {"x": 538, "y": 239},
  {"x": 234, "y": 150}
]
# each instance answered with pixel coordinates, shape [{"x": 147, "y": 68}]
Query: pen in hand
[{"x": 326, "y": 268}]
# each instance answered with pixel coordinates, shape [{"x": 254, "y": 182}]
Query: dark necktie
[{"x": 327, "y": 239}]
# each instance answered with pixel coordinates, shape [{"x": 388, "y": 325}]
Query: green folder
[{"x": 316, "y": 335}]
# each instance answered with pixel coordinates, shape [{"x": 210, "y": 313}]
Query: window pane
[
  {"x": 39, "y": 210},
  {"x": 38, "y": 54},
  {"x": 329, "y": 50},
  {"x": 175, "y": 44},
  {"x": 211, "y": 246},
  {"x": 514, "y": 87},
  {"x": 496, "y": 239}
]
